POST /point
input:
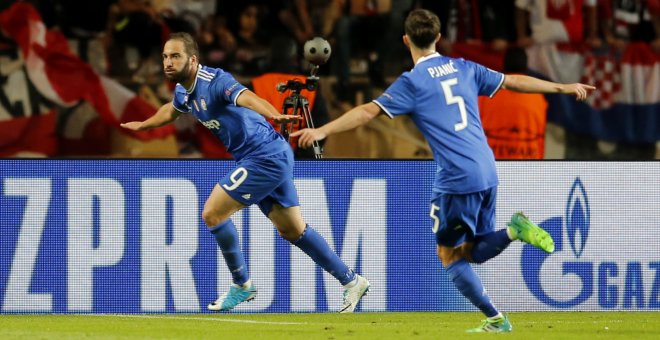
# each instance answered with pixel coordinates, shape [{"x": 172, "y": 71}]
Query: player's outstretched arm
[
  {"x": 261, "y": 106},
  {"x": 353, "y": 118},
  {"x": 527, "y": 84},
  {"x": 165, "y": 115}
]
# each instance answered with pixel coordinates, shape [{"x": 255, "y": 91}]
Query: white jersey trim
[
  {"x": 238, "y": 94},
  {"x": 383, "y": 108},
  {"x": 199, "y": 67},
  {"x": 498, "y": 86},
  {"x": 427, "y": 57}
]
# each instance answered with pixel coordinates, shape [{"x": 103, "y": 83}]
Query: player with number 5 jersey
[
  {"x": 440, "y": 95},
  {"x": 263, "y": 173}
]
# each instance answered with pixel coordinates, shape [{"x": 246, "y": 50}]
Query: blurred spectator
[
  {"x": 252, "y": 42},
  {"x": 185, "y": 16},
  {"x": 84, "y": 24},
  {"x": 297, "y": 18},
  {"x": 556, "y": 21},
  {"x": 216, "y": 42},
  {"x": 515, "y": 122},
  {"x": 630, "y": 21},
  {"x": 497, "y": 24},
  {"x": 474, "y": 21},
  {"x": 135, "y": 32},
  {"x": 306, "y": 19},
  {"x": 367, "y": 26}
]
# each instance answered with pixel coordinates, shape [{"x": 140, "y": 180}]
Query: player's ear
[
  {"x": 406, "y": 41},
  {"x": 437, "y": 39}
]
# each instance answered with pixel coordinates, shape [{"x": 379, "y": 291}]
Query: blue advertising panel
[{"x": 126, "y": 236}]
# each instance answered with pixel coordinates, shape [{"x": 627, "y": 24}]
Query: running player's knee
[
  {"x": 290, "y": 234},
  {"x": 211, "y": 218}
]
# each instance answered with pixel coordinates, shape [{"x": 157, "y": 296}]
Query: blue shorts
[
  {"x": 462, "y": 217},
  {"x": 264, "y": 181}
]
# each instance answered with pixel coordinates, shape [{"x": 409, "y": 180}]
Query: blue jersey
[
  {"x": 212, "y": 100},
  {"x": 440, "y": 95}
]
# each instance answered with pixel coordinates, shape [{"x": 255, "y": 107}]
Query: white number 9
[{"x": 237, "y": 177}]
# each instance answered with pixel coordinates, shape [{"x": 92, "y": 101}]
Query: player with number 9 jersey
[
  {"x": 264, "y": 159},
  {"x": 263, "y": 173}
]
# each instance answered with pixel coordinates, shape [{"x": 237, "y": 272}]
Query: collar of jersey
[
  {"x": 427, "y": 57},
  {"x": 199, "y": 67}
]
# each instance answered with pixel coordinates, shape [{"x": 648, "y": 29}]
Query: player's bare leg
[
  {"x": 216, "y": 214},
  {"x": 292, "y": 227},
  {"x": 219, "y": 207}
]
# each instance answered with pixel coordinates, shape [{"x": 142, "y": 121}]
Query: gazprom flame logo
[
  {"x": 576, "y": 223},
  {"x": 577, "y": 217}
]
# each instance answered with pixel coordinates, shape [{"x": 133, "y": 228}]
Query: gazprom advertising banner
[{"x": 126, "y": 236}]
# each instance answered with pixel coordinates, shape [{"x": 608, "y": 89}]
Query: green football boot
[
  {"x": 499, "y": 325},
  {"x": 521, "y": 228}
]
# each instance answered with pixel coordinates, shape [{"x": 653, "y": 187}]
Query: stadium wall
[{"x": 125, "y": 236}]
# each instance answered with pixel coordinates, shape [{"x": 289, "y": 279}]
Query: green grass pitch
[{"x": 380, "y": 326}]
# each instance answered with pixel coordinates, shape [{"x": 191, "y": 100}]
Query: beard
[{"x": 180, "y": 76}]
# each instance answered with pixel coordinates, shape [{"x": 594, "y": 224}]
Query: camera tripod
[{"x": 297, "y": 104}]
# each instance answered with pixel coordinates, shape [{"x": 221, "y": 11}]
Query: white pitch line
[{"x": 138, "y": 316}]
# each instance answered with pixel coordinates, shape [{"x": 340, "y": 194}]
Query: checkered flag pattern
[{"x": 604, "y": 72}]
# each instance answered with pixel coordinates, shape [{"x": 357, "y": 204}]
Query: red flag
[
  {"x": 30, "y": 136},
  {"x": 65, "y": 79}
]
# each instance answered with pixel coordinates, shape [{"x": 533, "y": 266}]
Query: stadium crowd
[{"x": 123, "y": 39}]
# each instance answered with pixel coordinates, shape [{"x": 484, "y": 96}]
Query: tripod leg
[{"x": 318, "y": 152}]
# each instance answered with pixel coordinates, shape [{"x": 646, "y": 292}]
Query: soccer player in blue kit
[
  {"x": 440, "y": 95},
  {"x": 263, "y": 173}
]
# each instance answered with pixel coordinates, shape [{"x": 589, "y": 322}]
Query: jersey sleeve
[
  {"x": 227, "y": 88},
  {"x": 488, "y": 81},
  {"x": 179, "y": 101},
  {"x": 399, "y": 98}
]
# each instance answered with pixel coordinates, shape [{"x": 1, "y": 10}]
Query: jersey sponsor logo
[
  {"x": 211, "y": 124},
  {"x": 203, "y": 102}
]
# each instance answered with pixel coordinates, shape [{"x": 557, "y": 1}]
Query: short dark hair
[
  {"x": 515, "y": 60},
  {"x": 422, "y": 27},
  {"x": 189, "y": 43}
]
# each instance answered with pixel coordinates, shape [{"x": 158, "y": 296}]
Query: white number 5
[
  {"x": 451, "y": 99},
  {"x": 237, "y": 177},
  {"x": 436, "y": 220}
]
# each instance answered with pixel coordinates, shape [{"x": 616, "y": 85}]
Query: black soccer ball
[{"x": 317, "y": 51}]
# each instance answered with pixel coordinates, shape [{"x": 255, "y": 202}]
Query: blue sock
[
  {"x": 227, "y": 238},
  {"x": 468, "y": 283},
  {"x": 315, "y": 246},
  {"x": 490, "y": 245}
]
